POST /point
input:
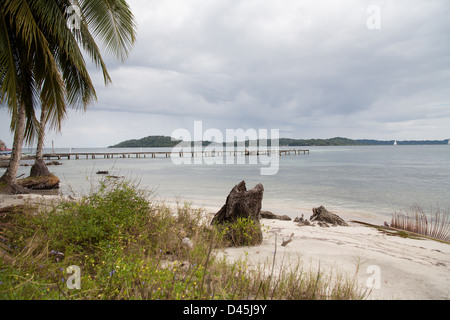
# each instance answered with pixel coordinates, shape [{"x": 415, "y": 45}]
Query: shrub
[
  {"x": 103, "y": 218},
  {"x": 241, "y": 232}
]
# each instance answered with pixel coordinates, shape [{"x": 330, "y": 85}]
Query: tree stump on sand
[
  {"x": 322, "y": 214},
  {"x": 270, "y": 215},
  {"x": 242, "y": 203}
]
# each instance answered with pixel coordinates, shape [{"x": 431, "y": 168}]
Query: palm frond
[
  {"x": 92, "y": 49},
  {"x": 41, "y": 61},
  {"x": 435, "y": 225},
  {"x": 113, "y": 23},
  {"x": 8, "y": 73}
]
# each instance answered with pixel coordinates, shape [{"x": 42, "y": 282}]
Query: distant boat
[
  {"x": 395, "y": 142},
  {"x": 3, "y": 149},
  {"x": 5, "y": 152}
]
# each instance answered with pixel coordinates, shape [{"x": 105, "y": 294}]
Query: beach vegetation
[
  {"x": 435, "y": 225},
  {"x": 242, "y": 232},
  {"x": 127, "y": 245},
  {"x": 417, "y": 224}
]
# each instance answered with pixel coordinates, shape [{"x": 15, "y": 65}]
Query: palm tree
[{"x": 41, "y": 61}]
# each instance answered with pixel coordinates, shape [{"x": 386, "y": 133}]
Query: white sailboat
[{"x": 395, "y": 142}]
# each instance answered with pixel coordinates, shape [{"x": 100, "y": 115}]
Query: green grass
[{"x": 129, "y": 247}]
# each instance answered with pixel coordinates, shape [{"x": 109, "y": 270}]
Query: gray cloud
[{"x": 310, "y": 69}]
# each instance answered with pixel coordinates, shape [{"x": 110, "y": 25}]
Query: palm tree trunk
[
  {"x": 39, "y": 169},
  {"x": 16, "y": 155}
]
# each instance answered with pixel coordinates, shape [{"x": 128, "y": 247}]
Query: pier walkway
[{"x": 166, "y": 154}]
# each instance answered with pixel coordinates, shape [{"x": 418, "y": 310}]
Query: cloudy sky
[{"x": 312, "y": 69}]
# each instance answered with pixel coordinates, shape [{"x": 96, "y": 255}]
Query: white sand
[
  {"x": 406, "y": 268},
  {"x": 36, "y": 199}
]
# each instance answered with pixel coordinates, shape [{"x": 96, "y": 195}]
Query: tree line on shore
[{"x": 159, "y": 141}]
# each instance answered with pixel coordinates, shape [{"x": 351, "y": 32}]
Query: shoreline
[
  {"x": 348, "y": 181},
  {"x": 214, "y": 205},
  {"x": 395, "y": 267}
]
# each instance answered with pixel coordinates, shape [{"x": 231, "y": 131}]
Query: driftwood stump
[
  {"x": 242, "y": 203},
  {"x": 323, "y": 215}
]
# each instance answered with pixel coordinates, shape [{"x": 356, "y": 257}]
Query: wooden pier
[{"x": 166, "y": 154}]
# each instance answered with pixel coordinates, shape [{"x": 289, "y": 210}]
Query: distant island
[
  {"x": 148, "y": 142},
  {"x": 165, "y": 141}
]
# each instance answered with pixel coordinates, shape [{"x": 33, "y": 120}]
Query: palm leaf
[
  {"x": 8, "y": 73},
  {"x": 113, "y": 22}
]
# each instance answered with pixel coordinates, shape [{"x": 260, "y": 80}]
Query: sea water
[{"x": 363, "y": 182}]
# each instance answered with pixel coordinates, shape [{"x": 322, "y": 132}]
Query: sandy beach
[
  {"x": 393, "y": 267},
  {"x": 389, "y": 267}
]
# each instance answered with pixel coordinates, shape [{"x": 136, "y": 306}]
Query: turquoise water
[{"x": 370, "y": 182}]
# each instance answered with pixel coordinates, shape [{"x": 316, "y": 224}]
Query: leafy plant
[
  {"x": 241, "y": 232},
  {"x": 104, "y": 218}
]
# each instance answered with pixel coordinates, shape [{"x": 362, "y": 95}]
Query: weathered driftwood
[
  {"x": 323, "y": 215},
  {"x": 285, "y": 242},
  {"x": 270, "y": 215},
  {"x": 13, "y": 208},
  {"x": 241, "y": 203}
]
